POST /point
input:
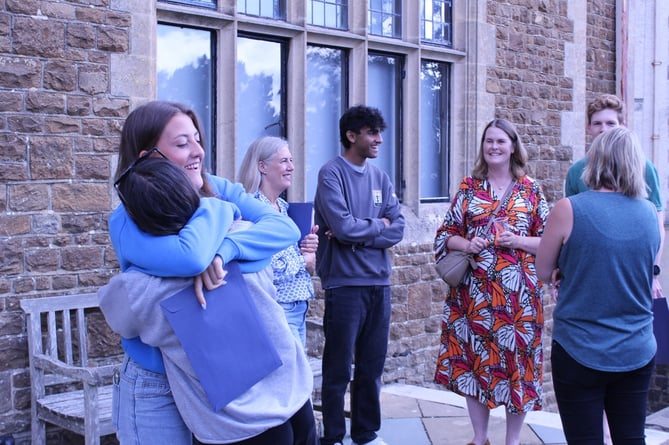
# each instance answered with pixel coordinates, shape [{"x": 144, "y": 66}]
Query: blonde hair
[
  {"x": 260, "y": 150},
  {"x": 616, "y": 162},
  {"x": 519, "y": 156}
]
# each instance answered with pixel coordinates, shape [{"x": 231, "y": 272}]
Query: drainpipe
[{"x": 659, "y": 93}]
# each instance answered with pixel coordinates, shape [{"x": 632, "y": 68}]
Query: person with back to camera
[
  {"x": 144, "y": 411},
  {"x": 604, "y": 113},
  {"x": 266, "y": 172},
  {"x": 277, "y": 410},
  {"x": 491, "y": 349},
  {"x": 604, "y": 242},
  {"x": 359, "y": 218}
]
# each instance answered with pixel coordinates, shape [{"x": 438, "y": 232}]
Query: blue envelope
[
  {"x": 302, "y": 215},
  {"x": 228, "y": 347},
  {"x": 661, "y": 330}
]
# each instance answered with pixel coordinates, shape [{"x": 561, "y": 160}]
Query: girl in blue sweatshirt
[{"x": 143, "y": 406}]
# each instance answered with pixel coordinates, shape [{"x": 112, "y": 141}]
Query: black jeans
[
  {"x": 300, "y": 429},
  {"x": 583, "y": 394},
  {"x": 356, "y": 323}
]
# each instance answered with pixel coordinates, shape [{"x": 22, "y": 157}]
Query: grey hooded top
[{"x": 131, "y": 306}]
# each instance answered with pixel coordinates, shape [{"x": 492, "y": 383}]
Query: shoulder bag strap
[{"x": 499, "y": 206}]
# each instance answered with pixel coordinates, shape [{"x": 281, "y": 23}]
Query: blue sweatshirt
[
  {"x": 190, "y": 252},
  {"x": 350, "y": 203}
]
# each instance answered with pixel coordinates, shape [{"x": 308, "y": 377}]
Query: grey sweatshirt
[{"x": 131, "y": 306}]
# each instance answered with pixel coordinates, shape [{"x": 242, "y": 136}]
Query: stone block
[
  {"x": 81, "y": 197},
  {"x": 81, "y": 258},
  {"x": 93, "y": 79},
  {"x": 12, "y": 225},
  {"x": 42, "y": 260},
  {"x": 29, "y": 197},
  {"x": 51, "y": 157},
  {"x": 45, "y": 102},
  {"x": 81, "y": 35},
  {"x": 112, "y": 39},
  {"x": 33, "y": 36},
  {"x": 79, "y": 105},
  {"x": 91, "y": 167}
]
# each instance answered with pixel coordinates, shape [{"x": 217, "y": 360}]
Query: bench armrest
[{"x": 93, "y": 375}]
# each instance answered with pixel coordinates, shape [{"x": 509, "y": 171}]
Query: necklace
[{"x": 500, "y": 187}]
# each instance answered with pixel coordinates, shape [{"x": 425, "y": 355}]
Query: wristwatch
[{"x": 656, "y": 270}]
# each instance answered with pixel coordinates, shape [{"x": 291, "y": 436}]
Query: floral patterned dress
[{"x": 491, "y": 328}]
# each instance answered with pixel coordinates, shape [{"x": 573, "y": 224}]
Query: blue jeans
[
  {"x": 583, "y": 394},
  {"x": 143, "y": 409},
  {"x": 356, "y": 323},
  {"x": 296, "y": 315}
]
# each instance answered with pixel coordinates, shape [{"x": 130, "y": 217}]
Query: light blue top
[
  {"x": 604, "y": 313},
  {"x": 291, "y": 278},
  {"x": 190, "y": 252}
]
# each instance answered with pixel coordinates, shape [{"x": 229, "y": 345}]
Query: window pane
[
  {"x": 260, "y": 85},
  {"x": 326, "y": 90},
  {"x": 185, "y": 74},
  {"x": 385, "y": 18},
  {"x": 437, "y": 21},
  {"x": 434, "y": 130},
  {"x": 328, "y": 13},
  {"x": 384, "y": 93},
  {"x": 273, "y": 9},
  {"x": 204, "y": 3}
]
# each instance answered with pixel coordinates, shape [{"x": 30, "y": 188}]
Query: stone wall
[
  {"x": 67, "y": 74},
  {"x": 59, "y": 126}
]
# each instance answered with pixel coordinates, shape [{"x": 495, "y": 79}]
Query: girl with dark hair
[
  {"x": 144, "y": 408},
  {"x": 276, "y": 410}
]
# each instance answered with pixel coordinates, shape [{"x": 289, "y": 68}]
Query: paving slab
[{"x": 414, "y": 415}]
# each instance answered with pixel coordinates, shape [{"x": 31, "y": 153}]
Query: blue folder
[
  {"x": 661, "y": 330},
  {"x": 228, "y": 347},
  {"x": 302, "y": 215}
]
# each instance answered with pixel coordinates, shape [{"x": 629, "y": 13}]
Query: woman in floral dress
[{"x": 491, "y": 350}]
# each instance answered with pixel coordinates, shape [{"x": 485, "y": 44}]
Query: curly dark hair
[{"x": 358, "y": 117}]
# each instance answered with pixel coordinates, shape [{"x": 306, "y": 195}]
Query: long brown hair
[
  {"x": 142, "y": 130},
  {"x": 519, "y": 156}
]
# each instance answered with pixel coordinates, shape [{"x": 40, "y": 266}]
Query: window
[
  {"x": 437, "y": 21},
  {"x": 434, "y": 130},
  {"x": 385, "y": 93},
  {"x": 260, "y": 91},
  {"x": 385, "y": 18},
  {"x": 273, "y": 9},
  {"x": 294, "y": 77},
  {"x": 326, "y": 92},
  {"x": 328, "y": 13},
  {"x": 185, "y": 74}
]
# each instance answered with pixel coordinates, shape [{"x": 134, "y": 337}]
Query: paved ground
[{"x": 419, "y": 416}]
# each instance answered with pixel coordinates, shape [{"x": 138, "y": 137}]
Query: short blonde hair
[{"x": 616, "y": 162}]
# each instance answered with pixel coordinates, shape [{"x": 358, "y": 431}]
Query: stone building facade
[{"x": 71, "y": 71}]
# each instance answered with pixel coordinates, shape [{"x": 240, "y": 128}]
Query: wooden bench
[{"x": 67, "y": 388}]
